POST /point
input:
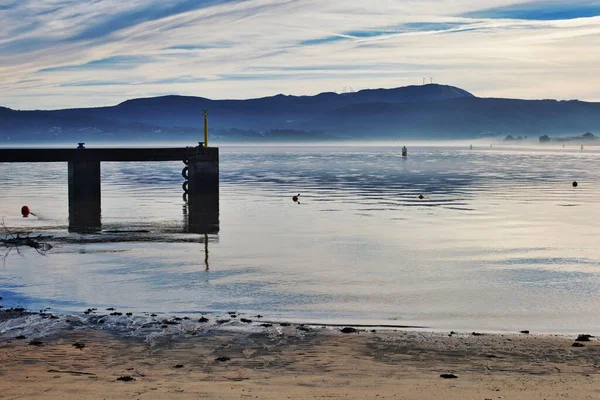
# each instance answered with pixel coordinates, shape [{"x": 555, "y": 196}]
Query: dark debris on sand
[
  {"x": 349, "y": 330},
  {"x": 583, "y": 338},
  {"x": 222, "y": 359},
  {"x": 448, "y": 376},
  {"x": 126, "y": 378}
]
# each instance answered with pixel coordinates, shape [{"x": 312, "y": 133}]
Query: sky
[{"x": 86, "y": 53}]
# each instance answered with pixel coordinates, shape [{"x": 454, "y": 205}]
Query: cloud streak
[{"x": 65, "y": 53}]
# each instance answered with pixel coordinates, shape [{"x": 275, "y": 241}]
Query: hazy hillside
[{"x": 428, "y": 111}]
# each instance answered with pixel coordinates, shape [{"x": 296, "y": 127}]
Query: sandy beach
[{"x": 295, "y": 362}]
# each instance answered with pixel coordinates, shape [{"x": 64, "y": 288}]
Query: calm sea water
[{"x": 501, "y": 240}]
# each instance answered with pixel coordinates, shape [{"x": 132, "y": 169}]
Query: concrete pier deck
[
  {"x": 109, "y": 154},
  {"x": 84, "y": 166}
]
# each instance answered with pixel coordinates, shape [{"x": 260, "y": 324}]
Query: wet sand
[{"x": 294, "y": 364}]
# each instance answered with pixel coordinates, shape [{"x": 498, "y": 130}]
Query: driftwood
[{"x": 13, "y": 241}]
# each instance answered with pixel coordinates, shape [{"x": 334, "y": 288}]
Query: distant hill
[
  {"x": 585, "y": 138},
  {"x": 417, "y": 112}
]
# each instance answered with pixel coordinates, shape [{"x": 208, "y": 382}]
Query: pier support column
[
  {"x": 84, "y": 196},
  {"x": 203, "y": 195}
]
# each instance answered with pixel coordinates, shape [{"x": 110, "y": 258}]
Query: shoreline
[
  {"x": 292, "y": 361},
  {"x": 132, "y": 324}
]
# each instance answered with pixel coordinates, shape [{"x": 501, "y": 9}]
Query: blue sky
[{"x": 73, "y": 53}]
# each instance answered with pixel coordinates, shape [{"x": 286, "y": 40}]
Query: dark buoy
[
  {"x": 25, "y": 211},
  {"x": 295, "y": 198},
  {"x": 421, "y": 197},
  {"x": 575, "y": 184}
]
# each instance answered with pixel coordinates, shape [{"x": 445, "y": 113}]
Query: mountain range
[{"x": 413, "y": 112}]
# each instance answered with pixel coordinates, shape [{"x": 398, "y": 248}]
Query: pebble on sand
[{"x": 448, "y": 376}]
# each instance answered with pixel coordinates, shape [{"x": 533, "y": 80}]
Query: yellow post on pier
[{"x": 205, "y": 128}]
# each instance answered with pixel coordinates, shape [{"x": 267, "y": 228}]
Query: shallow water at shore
[{"x": 501, "y": 241}]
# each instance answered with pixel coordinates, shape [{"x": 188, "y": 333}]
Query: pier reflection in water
[
  {"x": 84, "y": 216},
  {"x": 200, "y": 215}
]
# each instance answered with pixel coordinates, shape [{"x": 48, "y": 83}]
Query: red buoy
[{"x": 25, "y": 211}]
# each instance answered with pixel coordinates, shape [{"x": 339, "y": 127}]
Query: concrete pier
[
  {"x": 84, "y": 167},
  {"x": 203, "y": 197}
]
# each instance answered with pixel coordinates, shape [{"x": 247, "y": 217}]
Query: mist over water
[{"x": 500, "y": 241}]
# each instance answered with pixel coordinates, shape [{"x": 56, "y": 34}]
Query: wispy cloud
[
  {"x": 115, "y": 62},
  {"x": 61, "y": 53}
]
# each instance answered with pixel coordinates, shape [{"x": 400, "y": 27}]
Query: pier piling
[{"x": 84, "y": 195}]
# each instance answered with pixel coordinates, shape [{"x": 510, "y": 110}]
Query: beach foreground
[{"x": 295, "y": 364}]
